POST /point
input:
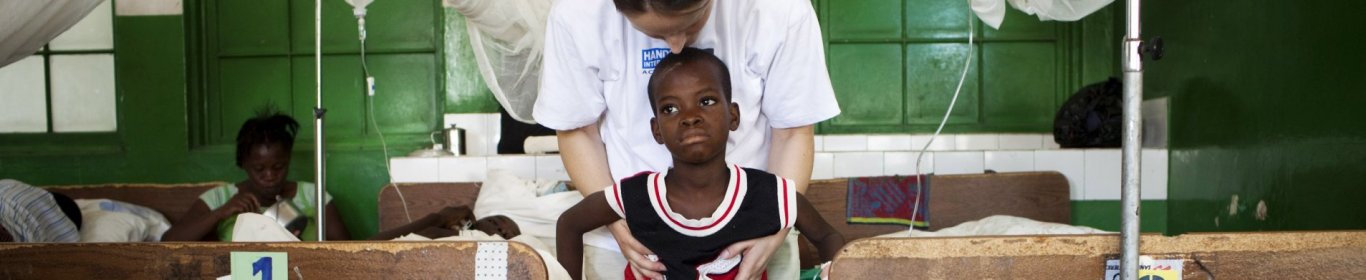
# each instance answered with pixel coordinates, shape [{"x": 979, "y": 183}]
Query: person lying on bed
[
  {"x": 30, "y": 214},
  {"x": 264, "y": 146},
  {"x": 691, "y": 212}
]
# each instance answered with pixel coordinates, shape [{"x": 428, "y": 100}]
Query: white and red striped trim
[
  {"x": 735, "y": 193},
  {"x": 787, "y": 202},
  {"x": 613, "y": 196}
]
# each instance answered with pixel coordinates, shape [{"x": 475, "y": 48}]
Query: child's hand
[
  {"x": 454, "y": 217},
  {"x": 498, "y": 225},
  {"x": 242, "y": 202}
]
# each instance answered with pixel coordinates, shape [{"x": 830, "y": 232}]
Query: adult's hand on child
[
  {"x": 454, "y": 217},
  {"x": 636, "y": 254},
  {"x": 756, "y": 253},
  {"x": 242, "y": 202}
]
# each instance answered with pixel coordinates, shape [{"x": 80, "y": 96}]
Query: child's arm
[
  {"x": 809, "y": 222},
  {"x": 451, "y": 217},
  {"x": 590, "y": 213}
]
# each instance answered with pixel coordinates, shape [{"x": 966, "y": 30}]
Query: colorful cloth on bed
[
  {"x": 888, "y": 200},
  {"x": 303, "y": 200},
  {"x": 31, "y": 215}
]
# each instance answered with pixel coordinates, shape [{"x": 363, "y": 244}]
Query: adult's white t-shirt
[{"x": 597, "y": 66}]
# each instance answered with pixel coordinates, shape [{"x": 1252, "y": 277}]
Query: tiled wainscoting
[{"x": 1094, "y": 174}]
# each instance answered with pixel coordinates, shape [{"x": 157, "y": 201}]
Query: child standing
[{"x": 690, "y": 213}]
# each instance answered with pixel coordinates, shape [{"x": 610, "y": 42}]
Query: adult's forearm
[
  {"x": 585, "y": 158},
  {"x": 790, "y": 154}
]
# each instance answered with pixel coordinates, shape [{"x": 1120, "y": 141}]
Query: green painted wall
[
  {"x": 161, "y": 137},
  {"x": 1266, "y": 101},
  {"x": 895, "y": 66},
  {"x": 152, "y": 145},
  {"x": 1104, "y": 215},
  {"x": 465, "y": 88}
]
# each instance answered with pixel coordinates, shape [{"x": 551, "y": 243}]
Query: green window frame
[{"x": 54, "y": 142}]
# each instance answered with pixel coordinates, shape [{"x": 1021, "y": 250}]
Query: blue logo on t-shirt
[{"x": 651, "y": 57}]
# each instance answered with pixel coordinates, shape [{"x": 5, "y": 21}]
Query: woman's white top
[{"x": 597, "y": 66}]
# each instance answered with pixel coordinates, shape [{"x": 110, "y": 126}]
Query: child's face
[
  {"x": 692, "y": 116},
  {"x": 267, "y": 166}
]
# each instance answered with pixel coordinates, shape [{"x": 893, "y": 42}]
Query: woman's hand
[
  {"x": 636, "y": 254},
  {"x": 757, "y": 252},
  {"x": 242, "y": 202}
]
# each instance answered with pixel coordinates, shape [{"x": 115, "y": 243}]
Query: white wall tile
[
  {"x": 550, "y": 168},
  {"x": 822, "y": 166},
  {"x": 23, "y": 96},
  {"x": 1021, "y": 141},
  {"x": 462, "y": 169},
  {"x": 414, "y": 170},
  {"x": 94, "y": 32},
  {"x": 148, "y": 8},
  {"x": 1102, "y": 174},
  {"x": 903, "y": 163},
  {"x": 976, "y": 142},
  {"x": 846, "y": 143},
  {"x": 522, "y": 166},
  {"x": 494, "y": 124},
  {"x": 1154, "y": 171},
  {"x": 818, "y": 143},
  {"x": 945, "y": 142},
  {"x": 858, "y": 164},
  {"x": 476, "y": 132},
  {"x": 1071, "y": 163},
  {"x": 967, "y": 162},
  {"x": 1049, "y": 143},
  {"x": 889, "y": 142},
  {"x": 1010, "y": 161},
  {"x": 83, "y": 93}
]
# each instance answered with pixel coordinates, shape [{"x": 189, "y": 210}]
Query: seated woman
[{"x": 264, "y": 146}]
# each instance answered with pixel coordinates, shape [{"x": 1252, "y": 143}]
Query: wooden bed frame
[
  {"x": 172, "y": 200},
  {"x": 954, "y": 199},
  {"x": 328, "y": 260},
  {"x": 1269, "y": 255},
  {"x": 171, "y": 260}
]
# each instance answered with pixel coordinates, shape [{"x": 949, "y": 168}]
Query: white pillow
[{"x": 105, "y": 220}]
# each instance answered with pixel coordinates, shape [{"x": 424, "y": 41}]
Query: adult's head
[{"x": 675, "y": 21}]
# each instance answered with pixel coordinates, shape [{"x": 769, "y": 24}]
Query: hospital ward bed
[
  {"x": 311, "y": 260},
  {"x": 330, "y": 260}
]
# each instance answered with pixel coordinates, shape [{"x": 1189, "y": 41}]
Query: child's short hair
[
  {"x": 268, "y": 127},
  {"x": 689, "y": 56}
]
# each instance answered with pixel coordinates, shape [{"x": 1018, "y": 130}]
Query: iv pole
[
  {"x": 318, "y": 112},
  {"x": 1133, "y": 137}
]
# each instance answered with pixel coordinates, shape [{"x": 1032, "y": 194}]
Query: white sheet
[{"x": 1000, "y": 225}]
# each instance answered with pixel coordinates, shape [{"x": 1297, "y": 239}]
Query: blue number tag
[{"x": 259, "y": 265}]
